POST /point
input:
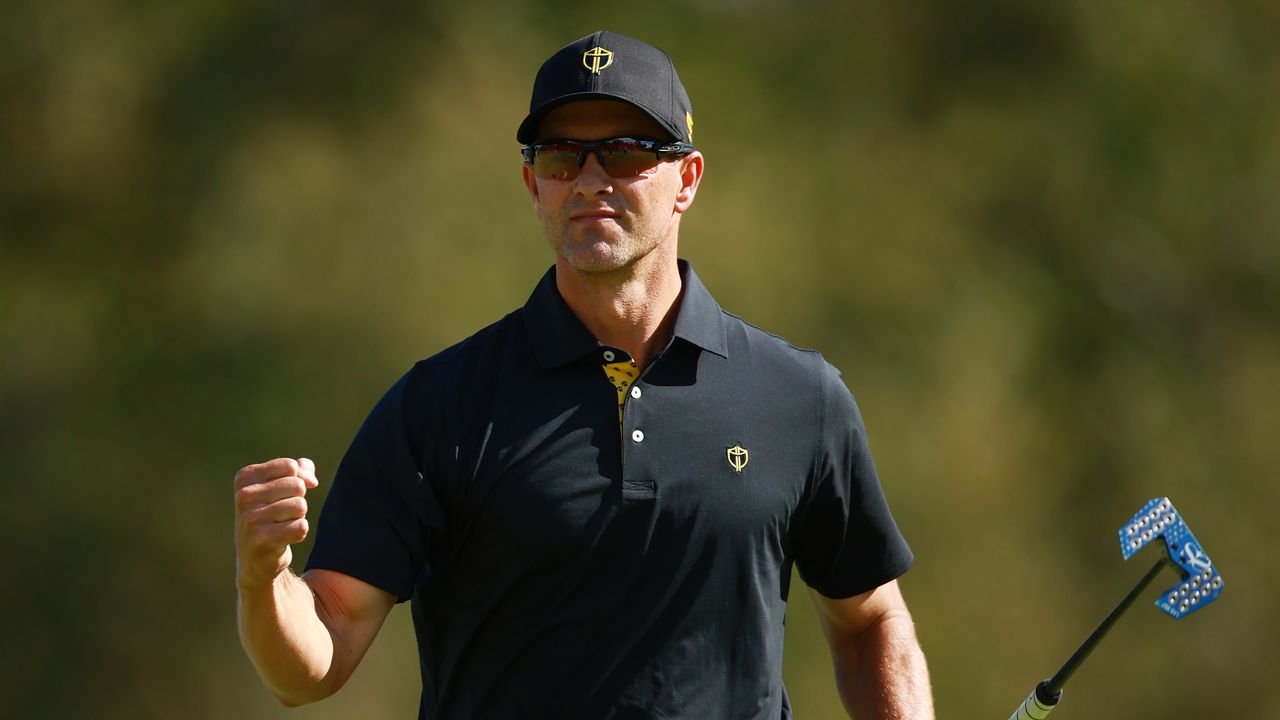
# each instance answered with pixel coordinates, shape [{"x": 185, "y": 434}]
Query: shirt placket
[{"x": 621, "y": 371}]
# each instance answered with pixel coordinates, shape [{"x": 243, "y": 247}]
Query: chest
[{"x": 700, "y": 461}]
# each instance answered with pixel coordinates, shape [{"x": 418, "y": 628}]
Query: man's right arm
[{"x": 305, "y": 635}]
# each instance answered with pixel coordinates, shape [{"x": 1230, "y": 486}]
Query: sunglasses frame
[{"x": 586, "y": 147}]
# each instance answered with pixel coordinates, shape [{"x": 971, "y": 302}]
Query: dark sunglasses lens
[
  {"x": 558, "y": 161},
  {"x": 626, "y": 159},
  {"x": 622, "y": 158}
]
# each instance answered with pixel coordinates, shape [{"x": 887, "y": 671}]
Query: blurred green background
[{"x": 1040, "y": 239}]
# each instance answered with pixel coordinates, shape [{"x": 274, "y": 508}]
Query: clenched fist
[{"x": 271, "y": 515}]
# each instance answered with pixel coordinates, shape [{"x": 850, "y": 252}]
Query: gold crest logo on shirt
[
  {"x": 738, "y": 457},
  {"x": 597, "y": 59}
]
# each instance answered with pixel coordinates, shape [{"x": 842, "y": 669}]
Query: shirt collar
[
  {"x": 558, "y": 337},
  {"x": 700, "y": 319}
]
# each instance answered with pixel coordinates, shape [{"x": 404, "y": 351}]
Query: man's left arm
[{"x": 880, "y": 669}]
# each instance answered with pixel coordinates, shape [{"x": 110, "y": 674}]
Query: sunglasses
[{"x": 621, "y": 157}]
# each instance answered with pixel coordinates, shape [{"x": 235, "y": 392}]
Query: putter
[{"x": 1200, "y": 585}]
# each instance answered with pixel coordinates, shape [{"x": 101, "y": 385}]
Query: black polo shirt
[{"x": 562, "y": 566}]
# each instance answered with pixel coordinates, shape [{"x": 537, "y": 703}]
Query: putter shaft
[
  {"x": 1047, "y": 693},
  {"x": 1073, "y": 663}
]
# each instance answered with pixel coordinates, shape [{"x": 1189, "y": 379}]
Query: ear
[
  {"x": 690, "y": 175},
  {"x": 530, "y": 182}
]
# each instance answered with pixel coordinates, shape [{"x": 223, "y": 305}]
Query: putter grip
[{"x": 1038, "y": 704}]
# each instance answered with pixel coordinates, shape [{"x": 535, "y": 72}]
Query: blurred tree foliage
[{"x": 1041, "y": 240}]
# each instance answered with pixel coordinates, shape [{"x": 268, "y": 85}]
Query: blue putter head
[{"x": 1201, "y": 583}]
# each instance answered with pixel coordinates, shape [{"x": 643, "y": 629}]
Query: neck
[{"x": 633, "y": 308}]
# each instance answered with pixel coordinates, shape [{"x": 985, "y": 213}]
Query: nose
[{"x": 592, "y": 179}]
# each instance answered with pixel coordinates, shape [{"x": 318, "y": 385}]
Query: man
[{"x": 594, "y": 503}]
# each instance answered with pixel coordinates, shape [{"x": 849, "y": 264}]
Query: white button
[
  {"x": 635, "y": 392},
  {"x": 608, "y": 355},
  {"x": 637, "y": 436}
]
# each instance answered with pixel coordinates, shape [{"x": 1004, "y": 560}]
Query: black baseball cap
[{"x": 608, "y": 66}]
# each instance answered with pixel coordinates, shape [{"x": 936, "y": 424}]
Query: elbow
[
  {"x": 312, "y": 693},
  {"x": 293, "y": 700},
  {"x": 289, "y": 702}
]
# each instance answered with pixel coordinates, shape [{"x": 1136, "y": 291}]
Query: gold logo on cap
[
  {"x": 688, "y": 118},
  {"x": 597, "y": 59},
  {"x": 738, "y": 457}
]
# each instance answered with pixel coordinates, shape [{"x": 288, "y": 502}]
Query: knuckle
[
  {"x": 287, "y": 533},
  {"x": 244, "y": 474},
  {"x": 293, "y": 509},
  {"x": 260, "y": 472},
  {"x": 250, "y": 520},
  {"x": 258, "y": 522},
  {"x": 244, "y": 499},
  {"x": 251, "y": 537}
]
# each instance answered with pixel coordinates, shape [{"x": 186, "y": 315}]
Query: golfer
[{"x": 595, "y": 503}]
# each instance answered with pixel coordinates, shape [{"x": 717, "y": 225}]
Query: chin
[
  {"x": 595, "y": 255},
  {"x": 591, "y": 263},
  {"x": 601, "y": 252}
]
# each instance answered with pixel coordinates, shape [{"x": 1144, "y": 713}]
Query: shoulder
[
  {"x": 791, "y": 376},
  {"x": 771, "y": 353},
  {"x": 482, "y": 352},
  {"x": 437, "y": 390}
]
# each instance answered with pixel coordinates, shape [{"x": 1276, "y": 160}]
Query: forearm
[
  {"x": 283, "y": 633},
  {"x": 881, "y": 672}
]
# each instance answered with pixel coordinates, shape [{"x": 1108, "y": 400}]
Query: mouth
[{"x": 594, "y": 215}]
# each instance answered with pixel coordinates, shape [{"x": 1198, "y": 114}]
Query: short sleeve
[
  {"x": 845, "y": 539},
  {"x": 381, "y": 512}
]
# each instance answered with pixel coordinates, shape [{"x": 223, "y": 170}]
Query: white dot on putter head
[{"x": 1217, "y": 582}]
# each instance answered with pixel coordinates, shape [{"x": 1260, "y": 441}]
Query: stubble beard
[{"x": 600, "y": 251}]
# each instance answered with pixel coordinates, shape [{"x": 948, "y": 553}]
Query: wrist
[
  {"x": 259, "y": 577},
  {"x": 250, "y": 586}
]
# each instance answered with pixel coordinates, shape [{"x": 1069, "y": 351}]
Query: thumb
[{"x": 307, "y": 470}]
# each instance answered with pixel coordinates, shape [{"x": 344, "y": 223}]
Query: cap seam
[
  {"x": 597, "y": 79},
  {"x": 671, "y": 90}
]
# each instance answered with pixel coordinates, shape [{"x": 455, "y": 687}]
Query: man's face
[{"x": 599, "y": 224}]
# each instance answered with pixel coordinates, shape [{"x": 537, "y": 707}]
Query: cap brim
[{"x": 528, "y": 129}]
